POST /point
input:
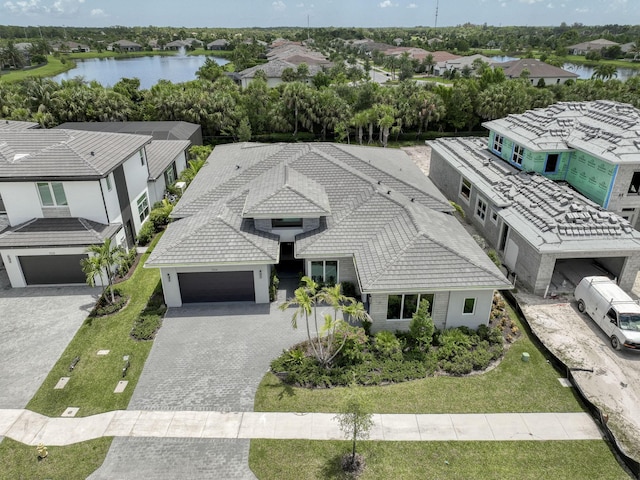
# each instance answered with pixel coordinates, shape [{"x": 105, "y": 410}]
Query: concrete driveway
[
  {"x": 205, "y": 357},
  {"x": 36, "y": 325}
]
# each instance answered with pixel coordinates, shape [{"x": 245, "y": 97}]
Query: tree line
[{"x": 328, "y": 106}]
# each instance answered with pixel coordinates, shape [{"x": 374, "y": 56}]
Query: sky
[{"x": 320, "y": 13}]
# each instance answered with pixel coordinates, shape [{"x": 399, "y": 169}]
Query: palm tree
[
  {"x": 605, "y": 71},
  {"x": 102, "y": 261},
  {"x": 305, "y": 300}
]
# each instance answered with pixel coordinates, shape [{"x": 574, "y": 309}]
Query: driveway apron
[{"x": 205, "y": 357}]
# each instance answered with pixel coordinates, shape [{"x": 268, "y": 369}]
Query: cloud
[
  {"x": 412, "y": 5},
  {"x": 279, "y": 5},
  {"x": 300, "y": 5},
  {"x": 387, "y": 3},
  {"x": 37, "y": 7},
  {"x": 98, "y": 12}
]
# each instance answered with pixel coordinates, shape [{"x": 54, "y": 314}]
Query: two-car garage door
[
  {"x": 52, "y": 269},
  {"x": 216, "y": 287}
]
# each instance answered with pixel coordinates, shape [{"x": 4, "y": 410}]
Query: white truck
[{"x": 612, "y": 309}]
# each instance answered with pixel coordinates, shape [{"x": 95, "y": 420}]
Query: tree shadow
[{"x": 332, "y": 468}]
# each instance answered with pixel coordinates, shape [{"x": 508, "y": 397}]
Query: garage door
[
  {"x": 52, "y": 269},
  {"x": 216, "y": 287}
]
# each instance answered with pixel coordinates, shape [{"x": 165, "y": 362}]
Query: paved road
[
  {"x": 36, "y": 325},
  {"x": 205, "y": 357}
]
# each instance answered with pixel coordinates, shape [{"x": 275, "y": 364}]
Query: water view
[{"x": 108, "y": 71}]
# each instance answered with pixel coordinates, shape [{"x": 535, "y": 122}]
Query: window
[
  {"x": 325, "y": 271},
  {"x": 109, "y": 185},
  {"x": 286, "y": 223},
  {"x": 494, "y": 216},
  {"x": 465, "y": 189},
  {"x": 497, "y": 143},
  {"x": 469, "y": 306},
  {"x": 170, "y": 175},
  {"x": 141, "y": 157},
  {"x": 402, "y": 307},
  {"x": 518, "y": 153},
  {"x": 481, "y": 209},
  {"x": 552, "y": 163},
  {"x": 52, "y": 194},
  {"x": 143, "y": 207},
  {"x": 628, "y": 214},
  {"x": 634, "y": 187}
]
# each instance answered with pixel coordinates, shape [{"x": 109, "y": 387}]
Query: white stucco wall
[
  {"x": 21, "y": 201},
  {"x": 12, "y": 264},
  {"x": 85, "y": 200},
  {"x": 111, "y": 200},
  {"x": 171, "y": 285},
  {"x": 136, "y": 175},
  {"x": 455, "y": 317}
]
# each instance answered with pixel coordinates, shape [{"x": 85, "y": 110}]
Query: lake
[
  {"x": 108, "y": 71},
  {"x": 582, "y": 71}
]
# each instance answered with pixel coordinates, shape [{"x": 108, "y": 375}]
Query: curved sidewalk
[{"x": 32, "y": 428}]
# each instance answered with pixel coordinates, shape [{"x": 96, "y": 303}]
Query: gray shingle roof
[
  {"x": 42, "y": 154},
  {"x": 283, "y": 192},
  {"x": 57, "y": 232},
  {"x": 214, "y": 237},
  {"x": 536, "y": 69},
  {"x": 160, "y": 154},
  {"x": 550, "y": 215},
  {"x": 274, "y": 69},
  {"x": 603, "y": 128},
  {"x": 384, "y": 226}
]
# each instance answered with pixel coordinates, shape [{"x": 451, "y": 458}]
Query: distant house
[
  {"x": 168, "y": 130},
  {"x": 547, "y": 234},
  {"x": 338, "y": 213},
  {"x": 17, "y": 125},
  {"x": 536, "y": 70},
  {"x": 73, "y": 47},
  {"x": 186, "y": 43},
  {"x": 590, "y": 46},
  {"x": 219, "y": 44},
  {"x": 125, "y": 46},
  {"x": 273, "y": 70},
  {"x": 459, "y": 64}
]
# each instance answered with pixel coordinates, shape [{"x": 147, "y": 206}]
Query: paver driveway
[
  {"x": 205, "y": 357},
  {"x": 36, "y": 325}
]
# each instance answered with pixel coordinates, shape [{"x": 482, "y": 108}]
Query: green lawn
[
  {"x": 95, "y": 377},
  {"x": 211, "y": 53},
  {"x": 52, "y": 68},
  {"x": 513, "y": 386},
  {"x": 307, "y": 460},
  {"x": 580, "y": 60},
  {"x": 74, "y": 462}
]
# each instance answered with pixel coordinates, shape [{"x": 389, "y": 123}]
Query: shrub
[
  {"x": 453, "y": 342},
  {"x": 460, "y": 364},
  {"x": 146, "y": 233},
  {"x": 356, "y": 342},
  {"x": 273, "y": 286},
  {"x": 495, "y": 258},
  {"x": 105, "y": 307},
  {"x": 146, "y": 326},
  {"x": 387, "y": 346},
  {"x": 421, "y": 327},
  {"x": 127, "y": 262},
  {"x": 159, "y": 218}
]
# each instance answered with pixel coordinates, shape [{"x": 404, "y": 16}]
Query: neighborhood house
[{"x": 337, "y": 213}]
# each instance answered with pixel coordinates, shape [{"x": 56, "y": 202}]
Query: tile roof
[
  {"x": 43, "y": 154},
  {"x": 160, "y": 154},
  {"x": 283, "y": 192},
  {"x": 17, "y": 125},
  {"x": 380, "y": 209},
  {"x": 214, "y": 237},
  {"x": 57, "y": 232},
  {"x": 550, "y": 215},
  {"x": 167, "y": 130},
  {"x": 536, "y": 69},
  {"x": 603, "y": 128},
  {"x": 274, "y": 68}
]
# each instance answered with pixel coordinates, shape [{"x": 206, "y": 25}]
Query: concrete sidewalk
[{"x": 32, "y": 428}]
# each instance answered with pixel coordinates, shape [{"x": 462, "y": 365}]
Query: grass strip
[
  {"x": 72, "y": 462},
  {"x": 310, "y": 460}
]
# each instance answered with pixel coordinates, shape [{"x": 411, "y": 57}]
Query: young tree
[
  {"x": 103, "y": 261},
  {"x": 355, "y": 421},
  {"x": 421, "y": 326}
]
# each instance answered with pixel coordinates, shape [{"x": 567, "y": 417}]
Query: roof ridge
[{"x": 224, "y": 220}]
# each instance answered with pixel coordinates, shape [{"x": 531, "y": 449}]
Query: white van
[{"x": 612, "y": 309}]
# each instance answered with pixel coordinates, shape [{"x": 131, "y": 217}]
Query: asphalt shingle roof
[
  {"x": 378, "y": 208},
  {"x": 57, "y": 232},
  {"x": 41, "y": 154}
]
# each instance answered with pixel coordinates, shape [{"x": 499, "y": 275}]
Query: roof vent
[
  {"x": 237, "y": 167},
  {"x": 93, "y": 154},
  {"x": 379, "y": 182},
  {"x": 412, "y": 200},
  {"x": 388, "y": 192}
]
